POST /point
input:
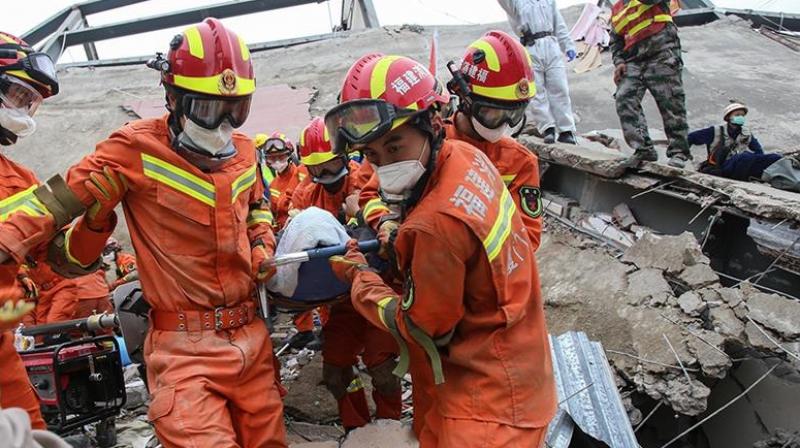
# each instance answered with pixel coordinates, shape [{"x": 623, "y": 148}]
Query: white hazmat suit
[{"x": 551, "y": 107}]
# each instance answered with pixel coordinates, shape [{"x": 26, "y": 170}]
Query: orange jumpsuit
[
  {"x": 281, "y": 189},
  {"x": 347, "y": 334},
  {"x": 63, "y": 298},
  {"x": 472, "y": 302},
  {"x": 192, "y": 233},
  {"x": 16, "y": 198},
  {"x": 518, "y": 167}
]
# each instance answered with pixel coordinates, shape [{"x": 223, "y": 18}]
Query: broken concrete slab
[
  {"x": 647, "y": 284},
  {"x": 609, "y": 164},
  {"x": 623, "y": 216},
  {"x": 776, "y": 313},
  {"x": 670, "y": 253},
  {"x": 685, "y": 398},
  {"x": 691, "y": 304},
  {"x": 726, "y": 323},
  {"x": 732, "y": 296},
  {"x": 713, "y": 361},
  {"x": 382, "y": 434},
  {"x": 698, "y": 276}
]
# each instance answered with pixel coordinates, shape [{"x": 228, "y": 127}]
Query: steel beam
[
  {"x": 89, "y": 47},
  {"x": 51, "y": 24},
  {"x": 186, "y": 17},
  {"x": 368, "y": 13},
  {"x": 55, "y": 45}
]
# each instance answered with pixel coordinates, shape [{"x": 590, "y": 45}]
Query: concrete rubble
[{"x": 661, "y": 288}]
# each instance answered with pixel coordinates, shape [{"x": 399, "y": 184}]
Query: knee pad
[
  {"x": 383, "y": 380},
  {"x": 337, "y": 379}
]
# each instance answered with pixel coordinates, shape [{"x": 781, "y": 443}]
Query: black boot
[
  {"x": 550, "y": 136},
  {"x": 646, "y": 154},
  {"x": 567, "y": 137}
]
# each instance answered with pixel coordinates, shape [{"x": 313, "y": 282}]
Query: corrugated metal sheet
[{"x": 587, "y": 394}]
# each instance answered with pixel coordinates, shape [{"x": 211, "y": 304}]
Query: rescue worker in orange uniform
[
  {"x": 61, "y": 298},
  {"x": 26, "y": 79},
  {"x": 468, "y": 263},
  {"x": 489, "y": 108},
  {"x": 201, "y": 230},
  {"x": 276, "y": 154},
  {"x": 346, "y": 334},
  {"x": 123, "y": 262}
]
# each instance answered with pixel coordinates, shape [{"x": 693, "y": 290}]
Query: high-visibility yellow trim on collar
[
  {"x": 508, "y": 93},
  {"x": 210, "y": 85},
  {"x": 317, "y": 158}
]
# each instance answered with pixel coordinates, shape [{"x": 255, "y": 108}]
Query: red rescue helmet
[
  {"x": 209, "y": 69},
  {"x": 495, "y": 80},
  {"x": 27, "y": 77},
  {"x": 379, "y": 94},
  {"x": 278, "y": 143},
  {"x": 315, "y": 144}
]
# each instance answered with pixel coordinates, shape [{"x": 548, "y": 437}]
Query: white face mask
[
  {"x": 279, "y": 166},
  {"x": 399, "y": 177},
  {"x": 212, "y": 141},
  {"x": 17, "y": 122},
  {"x": 491, "y": 135}
]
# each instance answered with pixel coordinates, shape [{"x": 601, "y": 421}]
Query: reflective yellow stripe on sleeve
[
  {"x": 274, "y": 193},
  {"x": 259, "y": 217},
  {"x": 501, "y": 228},
  {"x": 508, "y": 178},
  {"x": 67, "y": 252},
  {"x": 243, "y": 182},
  {"x": 373, "y": 206},
  {"x": 23, "y": 202},
  {"x": 179, "y": 179}
]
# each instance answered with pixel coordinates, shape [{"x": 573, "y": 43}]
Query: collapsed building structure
[{"x": 689, "y": 282}]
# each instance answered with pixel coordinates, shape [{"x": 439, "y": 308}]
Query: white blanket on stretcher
[{"x": 310, "y": 228}]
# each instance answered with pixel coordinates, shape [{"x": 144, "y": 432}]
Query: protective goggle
[
  {"x": 494, "y": 114},
  {"x": 17, "y": 94},
  {"x": 38, "y": 66},
  {"x": 361, "y": 121},
  {"x": 210, "y": 112},
  {"x": 276, "y": 145}
]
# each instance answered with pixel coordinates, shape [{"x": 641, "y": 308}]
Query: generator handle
[{"x": 92, "y": 323}]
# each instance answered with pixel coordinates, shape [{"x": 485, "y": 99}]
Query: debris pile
[{"x": 668, "y": 326}]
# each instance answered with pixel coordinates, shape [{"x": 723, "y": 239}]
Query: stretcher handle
[{"x": 327, "y": 252}]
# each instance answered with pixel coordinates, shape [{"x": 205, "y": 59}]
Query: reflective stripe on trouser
[
  {"x": 347, "y": 334},
  {"x": 16, "y": 390},
  {"x": 551, "y": 107},
  {"x": 214, "y": 389},
  {"x": 662, "y": 77}
]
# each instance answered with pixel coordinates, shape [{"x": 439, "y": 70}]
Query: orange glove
[
  {"x": 385, "y": 231},
  {"x": 346, "y": 267},
  {"x": 263, "y": 267},
  {"x": 28, "y": 286},
  {"x": 107, "y": 189}
]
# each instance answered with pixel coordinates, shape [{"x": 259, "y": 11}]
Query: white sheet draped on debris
[
  {"x": 310, "y": 228},
  {"x": 591, "y": 33}
]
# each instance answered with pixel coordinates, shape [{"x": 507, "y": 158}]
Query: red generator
[{"x": 77, "y": 374}]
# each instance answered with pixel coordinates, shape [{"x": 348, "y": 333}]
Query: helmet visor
[
  {"x": 209, "y": 112},
  {"x": 17, "y": 94},
  {"x": 493, "y": 114},
  {"x": 361, "y": 121}
]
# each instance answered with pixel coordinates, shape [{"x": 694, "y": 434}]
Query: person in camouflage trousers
[{"x": 647, "y": 57}]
